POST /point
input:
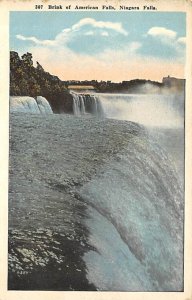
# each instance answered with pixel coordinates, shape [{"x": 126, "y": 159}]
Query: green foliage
[
  {"x": 27, "y": 80},
  {"x": 27, "y": 60}
]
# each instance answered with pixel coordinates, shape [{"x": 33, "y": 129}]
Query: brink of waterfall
[
  {"x": 30, "y": 105},
  {"x": 85, "y": 103}
]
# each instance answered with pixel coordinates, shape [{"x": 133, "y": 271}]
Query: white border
[{"x": 5, "y": 7}]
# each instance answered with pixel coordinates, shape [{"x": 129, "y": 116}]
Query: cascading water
[
  {"x": 85, "y": 103},
  {"x": 82, "y": 104},
  {"x": 115, "y": 192},
  {"x": 136, "y": 210},
  {"x": 136, "y": 200},
  {"x": 30, "y": 105},
  {"x": 149, "y": 110},
  {"x": 76, "y": 104}
]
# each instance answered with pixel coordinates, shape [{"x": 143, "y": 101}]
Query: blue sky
[{"x": 102, "y": 45}]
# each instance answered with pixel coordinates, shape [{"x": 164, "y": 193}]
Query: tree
[
  {"x": 27, "y": 59},
  {"x": 39, "y": 67}
]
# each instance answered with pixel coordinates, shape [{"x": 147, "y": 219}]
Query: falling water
[
  {"x": 150, "y": 110},
  {"x": 136, "y": 209},
  {"x": 76, "y": 104},
  {"x": 83, "y": 104},
  {"x": 29, "y": 105},
  {"x": 136, "y": 201}
]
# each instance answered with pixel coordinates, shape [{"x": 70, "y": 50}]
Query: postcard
[{"x": 96, "y": 157}]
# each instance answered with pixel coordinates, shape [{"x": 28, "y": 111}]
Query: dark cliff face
[
  {"x": 60, "y": 102},
  {"x": 27, "y": 80}
]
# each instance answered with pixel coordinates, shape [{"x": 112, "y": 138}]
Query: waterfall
[
  {"x": 43, "y": 105},
  {"x": 82, "y": 105},
  {"x": 85, "y": 103},
  {"x": 29, "y": 105},
  {"x": 113, "y": 193},
  {"x": 76, "y": 104},
  {"x": 149, "y": 110},
  {"x": 143, "y": 109},
  {"x": 136, "y": 206}
]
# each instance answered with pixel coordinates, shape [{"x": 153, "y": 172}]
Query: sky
[{"x": 98, "y": 45}]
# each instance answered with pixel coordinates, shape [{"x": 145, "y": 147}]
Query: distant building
[
  {"x": 173, "y": 82},
  {"x": 80, "y": 88}
]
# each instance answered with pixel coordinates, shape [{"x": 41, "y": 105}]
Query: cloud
[
  {"x": 182, "y": 40},
  {"x": 162, "y": 33},
  {"x": 117, "y": 57},
  {"x": 134, "y": 46},
  {"x": 166, "y": 35},
  {"x": 170, "y": 41},
  {"x": 68, "y": 34},
  {"x": 89, "y": 33},
  {"x": 104, "y": 33},
  {"x": 35, "y": 40},
  {"x": 115, "y": 26}
]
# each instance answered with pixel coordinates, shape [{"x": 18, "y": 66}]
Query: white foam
[
  {"x": 149, "y": 110},
  {"x": 136, "y": 222},
  {"x": 43, "y": 105},
  {"x": 26, "y": 104}
]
